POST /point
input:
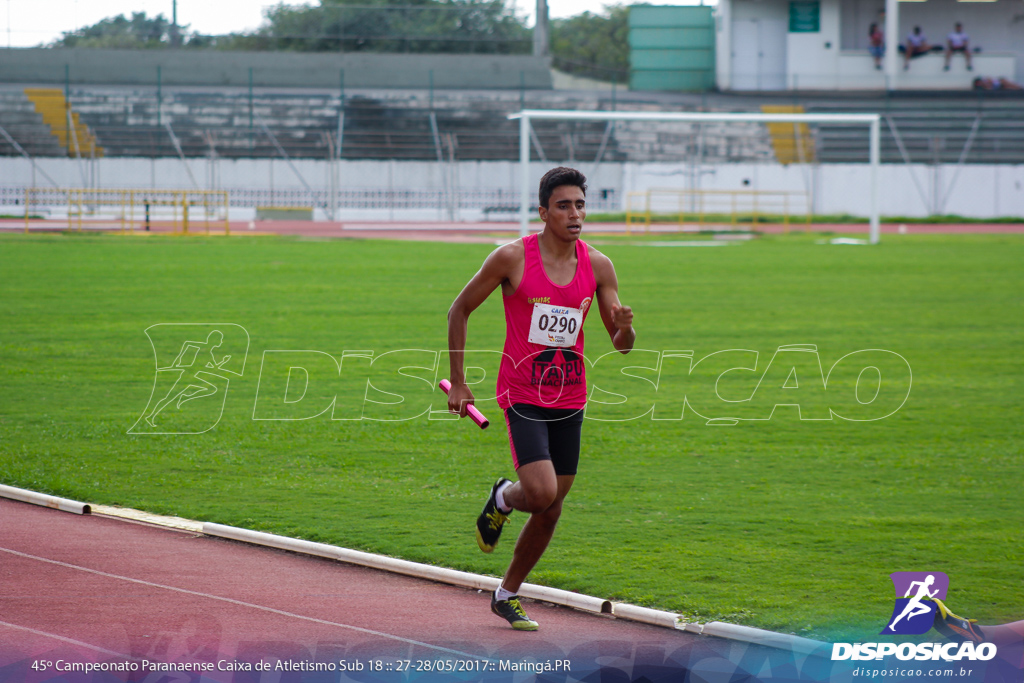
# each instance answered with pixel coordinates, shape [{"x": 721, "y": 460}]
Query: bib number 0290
[{"x": 555, "y": 325}]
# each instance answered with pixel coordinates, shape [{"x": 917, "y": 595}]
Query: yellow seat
[
  {"x": 792, "y": 142},
  {"x": 76, "y": 138}
]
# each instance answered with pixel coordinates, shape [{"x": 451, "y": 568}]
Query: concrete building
[{"x": 767, "y": 45}]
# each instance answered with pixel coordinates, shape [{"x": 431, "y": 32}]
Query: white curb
[
  {"x": 646, "y": 615},
  {"x": 54, "y": 502}
]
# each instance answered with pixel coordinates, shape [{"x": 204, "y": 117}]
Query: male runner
[{"x": 548, "y": 282}]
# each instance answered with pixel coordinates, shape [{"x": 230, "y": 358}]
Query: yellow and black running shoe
[
  {"x": 956, "y": 628},
  {"x": 513, "y": 612},
  {"x": 490, "y": 521}
]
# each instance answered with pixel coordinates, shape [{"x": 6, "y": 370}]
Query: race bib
[{"x": 555, "y": 325}]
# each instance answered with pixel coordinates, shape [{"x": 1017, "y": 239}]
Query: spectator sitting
[
  {"x": 917, "y": 45},
  {"x": 985, "y": 83},
  {"x": 957, "y": 41},
  {"x": 877, "y": 44}
]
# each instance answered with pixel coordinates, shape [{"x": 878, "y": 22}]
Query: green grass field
[{"x": 782, "y": 524}]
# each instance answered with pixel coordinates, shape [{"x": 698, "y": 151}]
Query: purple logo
[{"x": 914, "y": 610}]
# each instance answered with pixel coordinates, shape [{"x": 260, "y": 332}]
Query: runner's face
[{"x": 566, "y": 210}]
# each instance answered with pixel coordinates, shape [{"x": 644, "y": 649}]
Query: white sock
[
  {"x": 499, "y": 498},
  {"x": 501, "y": 594}
]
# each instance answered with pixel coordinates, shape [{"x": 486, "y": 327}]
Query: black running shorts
[{"x": 537, "y": 433}]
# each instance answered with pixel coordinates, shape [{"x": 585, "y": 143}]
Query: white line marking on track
[
  {"x": 79, "y": 643},
  {"x": 244, "y": 604}
]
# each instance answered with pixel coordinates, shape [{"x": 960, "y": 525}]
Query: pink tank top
[{"x": 548, "y": 376}]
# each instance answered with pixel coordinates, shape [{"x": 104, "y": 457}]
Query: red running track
[
  {"x": 91, "y": 589},
  {"x": 93, "y": 599}
]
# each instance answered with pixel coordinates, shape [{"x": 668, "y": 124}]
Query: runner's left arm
[{"x": 617, "y": 319}]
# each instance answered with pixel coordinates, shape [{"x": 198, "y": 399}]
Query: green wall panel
[
  {"x": 667, "y": 60},
  {"x": 658, "y": 17},
  {"x": 647, "y": 38},
  {"x": 671, "y": 48}
]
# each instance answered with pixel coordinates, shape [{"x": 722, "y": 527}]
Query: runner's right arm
[{"x": 497, "y": 269}]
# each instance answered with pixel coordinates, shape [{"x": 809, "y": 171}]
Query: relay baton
[{"x": 475, "y": 414}]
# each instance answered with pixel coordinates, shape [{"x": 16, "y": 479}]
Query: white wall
[
  {"x": 758, "y": 40},
  {"x": 813, "y": 58},
  {"x": 269, "y": 182},
  {"x": 723, "y": 45},
  {"x": 974, "y": 190},
  {"x": 121, "y": 172}
]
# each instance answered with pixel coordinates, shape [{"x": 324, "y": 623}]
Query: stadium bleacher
[
  {"x": 19, "y": 118},
  {"x": 932, "y": 128},
  {"x": 473, "y": 125}
]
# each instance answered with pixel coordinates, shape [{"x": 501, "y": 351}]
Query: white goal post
[{"x": 527, "y": 115}]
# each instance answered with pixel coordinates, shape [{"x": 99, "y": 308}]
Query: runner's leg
[{"x": 538, "y": 484}]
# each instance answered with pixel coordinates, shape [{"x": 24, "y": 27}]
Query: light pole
[
  {"x": 540, "y": 30},
  {"x": 175, "y": 37}
]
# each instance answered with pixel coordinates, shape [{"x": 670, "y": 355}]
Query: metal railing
[
  {"x": 117, "y": 208},
  {"x": 706, "y": 208}
]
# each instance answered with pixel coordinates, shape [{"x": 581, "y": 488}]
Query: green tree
[
  {"x": 593, "y": 45},
  {"x": 139, "y": 31},
  {"x": 381, "y": 26}
]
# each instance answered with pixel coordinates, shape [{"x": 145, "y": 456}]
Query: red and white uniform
[{"x": 550, "y": 373}]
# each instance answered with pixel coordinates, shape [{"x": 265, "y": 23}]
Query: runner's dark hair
[{"x": 557, "y": 177}]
